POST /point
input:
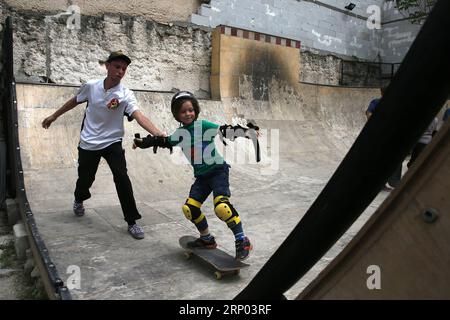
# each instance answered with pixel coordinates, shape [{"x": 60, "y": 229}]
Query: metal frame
[{"x": 53, "y": 284}]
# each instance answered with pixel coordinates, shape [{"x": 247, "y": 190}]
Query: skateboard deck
[{"x": 224, "y": 263}]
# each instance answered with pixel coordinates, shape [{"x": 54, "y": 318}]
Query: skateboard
[{"x": 224, "y": 263}]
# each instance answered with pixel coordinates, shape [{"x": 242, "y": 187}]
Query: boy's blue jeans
[{"x": 215, "y": 181}]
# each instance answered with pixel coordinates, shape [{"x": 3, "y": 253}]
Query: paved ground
[{"x": 306, "y": 134}]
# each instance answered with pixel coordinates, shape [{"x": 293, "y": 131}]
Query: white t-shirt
[{"x": 103, "y": 119}]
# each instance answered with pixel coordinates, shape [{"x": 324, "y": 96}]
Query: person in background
[
  {"x": 394, "y": 179},
  {"x": 424, "y": 140}
]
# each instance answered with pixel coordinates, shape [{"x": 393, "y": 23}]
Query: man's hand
[
  {"x": 48, "y": 121},
  {"x": 69, "y": 105}
]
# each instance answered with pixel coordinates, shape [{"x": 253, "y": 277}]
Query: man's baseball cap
[{"x": 116, "y": 55}]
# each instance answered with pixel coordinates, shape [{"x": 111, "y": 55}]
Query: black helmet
[{"x": 180, "y": 97}]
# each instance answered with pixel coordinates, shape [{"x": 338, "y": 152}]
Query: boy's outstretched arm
[
  {"x": 151, "y": 141},
  {"x": 69, "y": 105},
  {"x": 145, "y": 123},
  {"x": 233, "y": 132}
]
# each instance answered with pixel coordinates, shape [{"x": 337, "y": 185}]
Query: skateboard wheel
[
  {"x": 187, "y": 255},
  {"x": 218, "y": 275}
]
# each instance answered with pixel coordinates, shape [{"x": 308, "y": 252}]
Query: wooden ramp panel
[{"x": 407, "y": 238}]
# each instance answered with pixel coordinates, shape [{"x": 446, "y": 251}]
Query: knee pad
[
  {"x": 225, "y": 211},
  {"x": 192, "y": 212}
]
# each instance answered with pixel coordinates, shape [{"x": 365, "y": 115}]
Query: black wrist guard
[
  {"x": 233, "y": 132},
  {"x": 153, "y": 141}
]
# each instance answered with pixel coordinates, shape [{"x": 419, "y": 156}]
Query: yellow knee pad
[
  {"x": 225, "y": 211},
  {"x": 192, "y": 212}
]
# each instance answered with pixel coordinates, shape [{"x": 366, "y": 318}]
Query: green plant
[{"x": 416, "y": 10}]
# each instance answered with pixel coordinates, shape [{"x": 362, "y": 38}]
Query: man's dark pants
[{"x": 114, "y": 155}]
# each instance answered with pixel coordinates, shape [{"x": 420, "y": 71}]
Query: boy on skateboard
[{"x": 196, "y": 137}]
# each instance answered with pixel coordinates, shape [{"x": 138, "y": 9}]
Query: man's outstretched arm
[
  {"x": 145, "y": 123},
  {"x": 69, "y": 105}
]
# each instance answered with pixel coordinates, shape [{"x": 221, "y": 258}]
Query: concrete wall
[
  {"x": 161, "y": 11},
  {"x": 397, "y": 39},
  {"x": 245, "y": 63},
  {"x": 318, "y": 68},
  {"x": 335, "y": 110},
  {"x": 314, "y": 23},
  {"x": 164, "y": 57},
  {"x": 47, "y": 50},
  {"x": 318, "y": 26},
  {"x": 398, "y": 34}
]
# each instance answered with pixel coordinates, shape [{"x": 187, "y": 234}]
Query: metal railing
[{"x": 367, "y": 74}]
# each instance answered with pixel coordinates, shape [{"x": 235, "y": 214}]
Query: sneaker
[
  {"x": 243, "y": 248},
  {"x": 136, "y": 231},
  {"x": 200, "y": 243},
  {"x": 78, "y": 208}
]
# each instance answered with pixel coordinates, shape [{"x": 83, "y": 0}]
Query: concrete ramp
[{"x": 306, "y": 132}]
